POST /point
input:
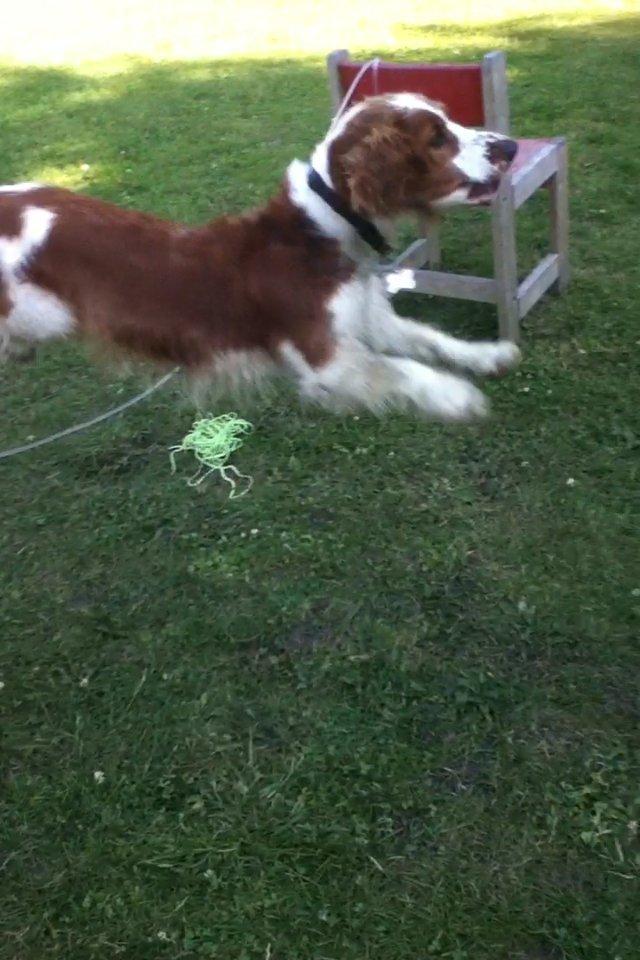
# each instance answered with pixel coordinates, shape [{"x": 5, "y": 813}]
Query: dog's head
[{"x": 400, "y": 154}]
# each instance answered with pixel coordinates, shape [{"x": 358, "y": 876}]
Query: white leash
[
  {"x": 13, "y": 451},
  {"x": 375, "y": 63}
]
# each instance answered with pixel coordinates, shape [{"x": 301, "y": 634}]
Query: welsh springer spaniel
[{"x": 291, "y": 288}]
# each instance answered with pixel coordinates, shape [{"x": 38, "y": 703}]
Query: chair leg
[
  {"x": 430, "y": 230},
  {"x": 434, "y": 257},
  {"x": 559, "y": 197},
  {"x": 505, "y": 271}
]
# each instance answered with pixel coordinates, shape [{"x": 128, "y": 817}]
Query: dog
[{"x": 293, "y": 288}]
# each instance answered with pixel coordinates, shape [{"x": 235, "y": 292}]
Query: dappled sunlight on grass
[{"x": 34, "y": 32}]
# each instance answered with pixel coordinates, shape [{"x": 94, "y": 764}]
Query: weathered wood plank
[{"x": 538, "y": 281}]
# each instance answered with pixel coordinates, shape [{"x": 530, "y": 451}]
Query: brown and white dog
[{"x": 292, "y": 287}]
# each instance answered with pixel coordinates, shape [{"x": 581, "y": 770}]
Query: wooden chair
[{"x": 476, "y": 95}]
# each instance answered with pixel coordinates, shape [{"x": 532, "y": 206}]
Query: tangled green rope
[{"x": 212, "y": 440}]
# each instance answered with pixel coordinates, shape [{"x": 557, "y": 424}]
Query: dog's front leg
[
  {"x": 387, "y": 332},
  {"x": 357, "y": 377}
]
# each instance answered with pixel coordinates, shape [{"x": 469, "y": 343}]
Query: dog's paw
[
  {"x": 495, "y": 359},
  {"x": 457, "y": 399}
]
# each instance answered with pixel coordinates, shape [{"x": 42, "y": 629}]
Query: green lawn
[{"x": 387, "y": 706}]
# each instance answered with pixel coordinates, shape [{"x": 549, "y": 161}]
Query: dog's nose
[{"x": 503, "y": 150}]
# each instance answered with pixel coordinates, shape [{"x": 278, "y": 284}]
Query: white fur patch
[
  {"x": 16, "y": 251},
  {"x": 362, "y": 309},
  {"x": 350, "y": 306},
  {"x": 338, "y": 126},
  {"x": 357, "y": 377},
  {"x": 320, "y": 155},
  {"x": 473, "y": 154},
  {"x": 375, "y": 360},
  {"x": 412, "y": 101},
  {"x": 35, "y": 314},
  {"x": 400, "y": 280},
  {"x": 19, "y": 187}
]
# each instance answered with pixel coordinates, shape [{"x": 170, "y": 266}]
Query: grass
[{"x": 387, "y": 705}]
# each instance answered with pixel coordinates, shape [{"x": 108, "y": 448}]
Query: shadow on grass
[{"x": 184, "y": 139}]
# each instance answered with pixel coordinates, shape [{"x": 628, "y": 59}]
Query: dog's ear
[{"x": 374, "y": 170}]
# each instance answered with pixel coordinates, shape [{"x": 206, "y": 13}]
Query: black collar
[{"x": 367, "y": 230}]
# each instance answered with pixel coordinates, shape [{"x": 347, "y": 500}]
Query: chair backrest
[{"x": 474, "y": 94}]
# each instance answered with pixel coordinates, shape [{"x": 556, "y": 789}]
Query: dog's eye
[{"x": 439, "y": 139}]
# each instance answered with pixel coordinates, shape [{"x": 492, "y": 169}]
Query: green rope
[{"x": 212, "y": 440}]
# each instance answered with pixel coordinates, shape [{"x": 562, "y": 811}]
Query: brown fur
[{"x": 181, "y": 295}]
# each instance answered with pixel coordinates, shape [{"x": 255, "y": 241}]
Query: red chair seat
[{"x": 527, "y": 151}]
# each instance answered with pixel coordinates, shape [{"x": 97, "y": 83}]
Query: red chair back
[{"x": 456, "y": 85}]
